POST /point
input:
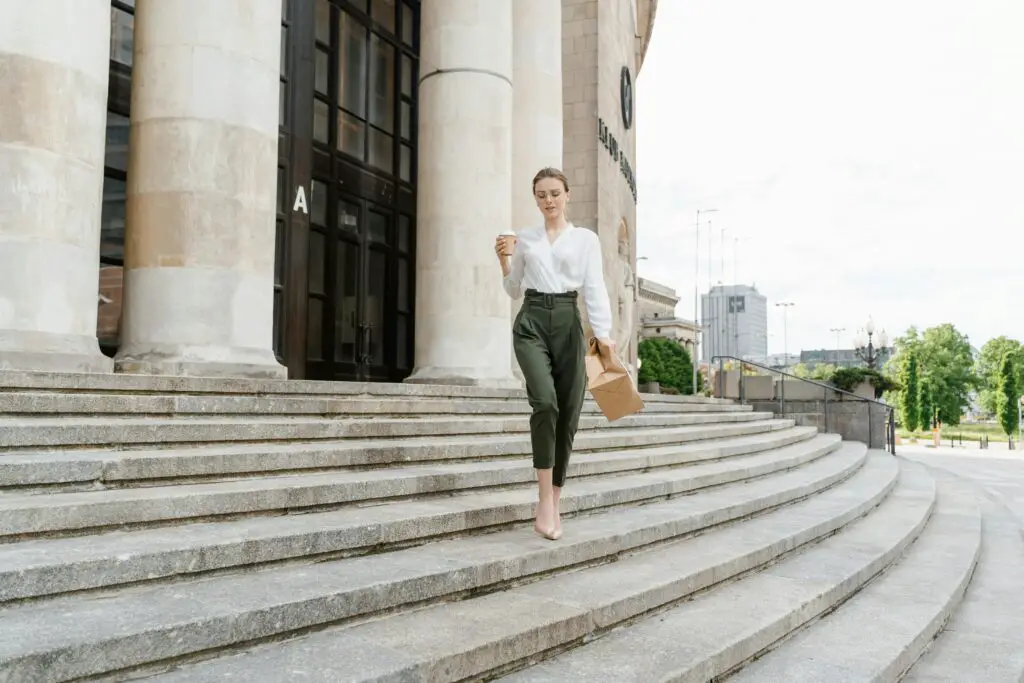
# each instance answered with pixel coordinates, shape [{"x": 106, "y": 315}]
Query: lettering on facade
[
  {"x": 300, "y": 201},
  {"x": 618, "y": 156}
]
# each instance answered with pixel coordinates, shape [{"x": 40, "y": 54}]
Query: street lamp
[
  {"x": 696, "y": 286},
  {"x": 837, "y": 331},
  {"x": 785, "y": 305},
  {"x": 865, "y": 348}
]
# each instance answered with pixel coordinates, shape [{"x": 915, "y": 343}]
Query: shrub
[
  {"x": 667, "y": 363},
  {"x": 848, "y": 379}
]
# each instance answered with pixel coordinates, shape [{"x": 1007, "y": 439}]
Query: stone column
[
  {"x": 536, "y": 101},
  {"x": 536, "y": 106},
  {"x": 464, "y": 192},
  {"x": 54, "y": 59},
  {"x": 202, "y": 186}
]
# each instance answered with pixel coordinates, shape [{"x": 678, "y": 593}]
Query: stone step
[
  {"x": 476, "y": 638},
  {"x": 21, "y": 432},
  {"x": 703, "y": 639},
  {"x": 28, "y": 514},
  {"x": 49, "y": 403},
  {"x": 883, "y": 629},
  {"x": 51, "y": 566},
  {"x": 984, "y": 640},
  {"x": 78, "y": 468},
  {"x": 139, "y": 384},
  {"x": 150, "y": 624}
]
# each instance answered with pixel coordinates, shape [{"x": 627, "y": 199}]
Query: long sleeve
[
  {"x": 599, "y": 309},
  {"x": 513, "y": 282}
]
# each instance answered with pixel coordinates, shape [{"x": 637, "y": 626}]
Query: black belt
[{"x": 550, "y": 299}]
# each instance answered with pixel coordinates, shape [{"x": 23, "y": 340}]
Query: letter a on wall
[{"x": 300, "y": 201}]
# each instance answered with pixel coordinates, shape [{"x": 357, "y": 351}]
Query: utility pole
[
  {"x": 722, "y": 255},
  {"x": 837, "y": 331},
  {"x": 702, "y": 340},
  {"x": 785, "y": 305},
  {"x": 711, "y": 237},
  {"x": 735, "y": 281},
  {"x": 725, "y": 288}
]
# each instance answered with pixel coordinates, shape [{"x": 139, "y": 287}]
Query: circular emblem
[{"x": 626, "y": 97}]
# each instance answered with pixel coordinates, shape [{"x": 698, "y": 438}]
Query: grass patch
[{"x": 969, "y": 431}]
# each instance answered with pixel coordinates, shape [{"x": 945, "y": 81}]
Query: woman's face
[{"x": 551, "y": 197}]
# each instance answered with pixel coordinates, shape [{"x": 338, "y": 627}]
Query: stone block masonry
[{"x": 53, "y": 60}]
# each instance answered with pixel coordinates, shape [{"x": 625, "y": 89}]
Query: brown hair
[{"x": 549, "y": 172}]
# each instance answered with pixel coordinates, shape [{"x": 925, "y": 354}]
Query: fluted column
[
  {"x": 536, "y": 105},
  {"x": 202, "y": 179},
  {"x": 54, "y": 60},
  {"x": 464, "y": 192}
]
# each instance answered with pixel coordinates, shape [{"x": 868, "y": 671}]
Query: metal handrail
[
  {"x": 824, "y": 385},
  {"x": 890, "y": 427}
]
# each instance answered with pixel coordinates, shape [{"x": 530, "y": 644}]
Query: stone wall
[
  {"x": 849, "y": 419},
  {"x": 598, "y": 40}
]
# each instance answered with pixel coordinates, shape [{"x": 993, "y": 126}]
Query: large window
[
  {"x": 112, "y": 223},
  {"x": 365, "y": 68},
  {"x": 285, "y": 90}
]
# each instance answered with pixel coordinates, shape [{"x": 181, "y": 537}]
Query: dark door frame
[
  {"x": 295, "y": 152},
  {"x": 383, "y": 347}
]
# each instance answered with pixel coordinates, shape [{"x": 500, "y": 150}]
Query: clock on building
[{"x": 626, "y": 97}]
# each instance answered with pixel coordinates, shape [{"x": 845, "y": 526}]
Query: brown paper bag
[{"x": 610, "y": 383}]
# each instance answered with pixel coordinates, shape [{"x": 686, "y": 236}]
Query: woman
[{"x": 548, "y": 265}]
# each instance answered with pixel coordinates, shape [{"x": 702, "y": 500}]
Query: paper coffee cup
[{"x": 509, "y": 233}]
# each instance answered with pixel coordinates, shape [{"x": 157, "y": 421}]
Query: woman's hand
[
  {"x": 606, "y": 342},
  {"x": 504, "y": 246}
]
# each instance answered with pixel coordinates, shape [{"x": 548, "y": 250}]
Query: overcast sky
[{"x": 869, "y": 156}]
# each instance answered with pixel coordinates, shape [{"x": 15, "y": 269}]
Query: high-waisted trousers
[{"x": 547, "y": 336}]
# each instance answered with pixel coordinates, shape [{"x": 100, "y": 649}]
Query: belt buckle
[{"x": 549, "y": 300}]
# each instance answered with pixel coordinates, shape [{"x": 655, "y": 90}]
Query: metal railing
[{"x": 890, "y": 422}]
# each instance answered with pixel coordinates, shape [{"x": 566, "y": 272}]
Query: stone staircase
[{"x": 186, "y": 529}]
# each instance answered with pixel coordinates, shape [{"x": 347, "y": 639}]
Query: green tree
[
  {"x": 989, "y": 366},
  {"x": 909, "y": 411},
  {"x": 821, "y": 372},
  {"x": 1008, "y": 395},
  {"x": 948, "y": 361},
  {"x": 945, "y": 358},
  {"x": 667, "y": 363},
  {"x": 926, "y": 405}
]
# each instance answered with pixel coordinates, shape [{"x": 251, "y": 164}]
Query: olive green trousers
[{"x": 547, "y": 336}]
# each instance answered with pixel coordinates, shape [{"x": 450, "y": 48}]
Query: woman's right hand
[{"x": 503, "y": 246}]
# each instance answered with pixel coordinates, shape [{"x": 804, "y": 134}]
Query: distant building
[
  {"x": 843, "y": 358},
  {"x": 780, "y": 360},
  {"x": 656, "y": 307},
  {"x": 735, "y": 320}
]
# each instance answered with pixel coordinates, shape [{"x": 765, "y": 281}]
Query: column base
[
  {"x": 199, "y": 362},
  {"x": 48, "y": 352},
  {"x": 462, "y": 377}
]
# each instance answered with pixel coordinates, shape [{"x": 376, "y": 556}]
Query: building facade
[
  {"x": 302, "y": 188},
  {"x": 735, "y": 322},
  {"x": 656, "y": 304}
]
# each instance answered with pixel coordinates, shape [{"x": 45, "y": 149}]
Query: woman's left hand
[{"x": 606, "y": 342}]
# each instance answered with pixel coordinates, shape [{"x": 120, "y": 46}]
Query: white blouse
[{"x": 571, "y": 263}]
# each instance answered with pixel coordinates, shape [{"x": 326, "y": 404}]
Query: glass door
[
  {"x": 352, "y": 308},
  {"x": 362, "y": 203}
]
